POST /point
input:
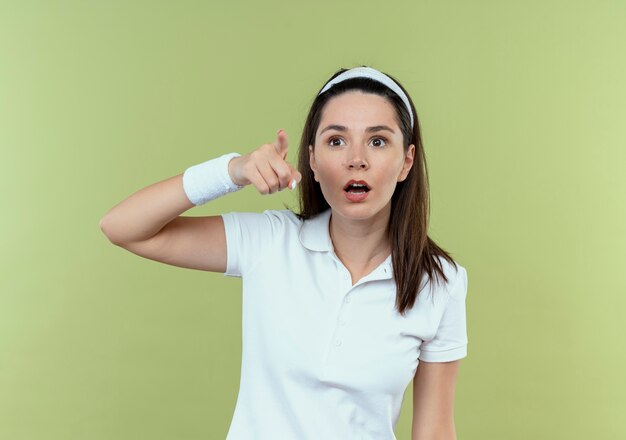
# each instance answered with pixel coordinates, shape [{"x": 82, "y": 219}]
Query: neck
[{"x": 361, "y": 243}]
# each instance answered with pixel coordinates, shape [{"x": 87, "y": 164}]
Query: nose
[{"x": 355, "y": 158}]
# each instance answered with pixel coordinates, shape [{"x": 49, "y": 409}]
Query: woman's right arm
[{"x": 149, "y": 222}]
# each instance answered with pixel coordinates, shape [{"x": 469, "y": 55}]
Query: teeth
[{"x": 357, "y": 186}]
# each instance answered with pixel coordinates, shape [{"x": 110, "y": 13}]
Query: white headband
[{"x": 369, "y": 72}]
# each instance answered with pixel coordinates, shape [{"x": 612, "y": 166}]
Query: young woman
[{"x": 345, "y": 302}]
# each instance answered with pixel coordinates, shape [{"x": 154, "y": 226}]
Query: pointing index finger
[{"x": 281, "y": 143}]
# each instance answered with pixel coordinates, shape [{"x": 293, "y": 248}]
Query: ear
[
  {"x": 408, "y": 163},
  {"x": 312, "y": 163}
]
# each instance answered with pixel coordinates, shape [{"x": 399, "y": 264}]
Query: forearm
[
  {"x": 144, "y": 213},
  {"x": 446, "y": 432}
]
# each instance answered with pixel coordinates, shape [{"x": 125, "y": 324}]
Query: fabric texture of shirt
[{"x": 321, "y": 358}]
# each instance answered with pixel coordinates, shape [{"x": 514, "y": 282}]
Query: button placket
[
  {"x": 341, "y": 320},
  {"x": 337, "y": 339}
]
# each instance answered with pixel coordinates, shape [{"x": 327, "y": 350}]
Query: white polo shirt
[{"x": 323, "y": 359}]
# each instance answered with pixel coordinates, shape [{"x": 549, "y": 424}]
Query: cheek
[
  {"x": 327, "y": 170},
  {"x": 326, "y": 178}
]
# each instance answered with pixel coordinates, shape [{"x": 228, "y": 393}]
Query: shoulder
[
  {"x": 260, "y": 228},
  {"x": 281, "y": 219},
  {"x": 252, "y": 236},
  {"x": 284, "y": 217},
  {"x": 456, "y": 274}
]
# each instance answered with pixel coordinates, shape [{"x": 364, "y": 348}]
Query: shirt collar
[{"x": 315, "y": 236}]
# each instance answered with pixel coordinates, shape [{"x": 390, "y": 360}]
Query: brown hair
[{"x": 413, "y": 252}]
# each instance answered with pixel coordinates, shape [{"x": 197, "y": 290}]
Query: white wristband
[{"x": 209, "y": 180}]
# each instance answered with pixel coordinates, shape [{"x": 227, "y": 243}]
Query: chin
[{"x": 356, "y": 211}]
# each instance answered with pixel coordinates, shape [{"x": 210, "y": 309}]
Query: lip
[
  {"x": 360, "y": 182},
  {"x": 356, "y": 198}
]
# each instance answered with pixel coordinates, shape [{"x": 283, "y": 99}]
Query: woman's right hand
[{"x": 265, "y": 167}]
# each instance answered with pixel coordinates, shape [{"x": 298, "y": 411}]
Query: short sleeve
[
  {"x": 248, "y": 237},
  {"x": 450, "y": 341}
]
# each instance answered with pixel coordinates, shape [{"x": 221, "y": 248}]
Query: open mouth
[{"x": 356, "y": 187}]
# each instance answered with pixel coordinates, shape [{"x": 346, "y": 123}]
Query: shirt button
[
  {"x": 346, "y": 276},
  {"x": 337, "y": 342},
  {"x": 347, "y": 299}
]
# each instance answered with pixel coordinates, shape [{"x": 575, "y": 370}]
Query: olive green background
[{"x": 522, "y": 106}]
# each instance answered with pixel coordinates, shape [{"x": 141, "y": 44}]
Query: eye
[
  {"x": 380, "y": 139},
  {"x": 331, "y": 140},
  {"x": 376, "y": 139}
]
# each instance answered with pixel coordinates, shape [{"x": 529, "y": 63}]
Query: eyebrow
[{"x": 367, "y": 130}]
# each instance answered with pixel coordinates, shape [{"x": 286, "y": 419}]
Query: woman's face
[{"x": 358, "y": 138}]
